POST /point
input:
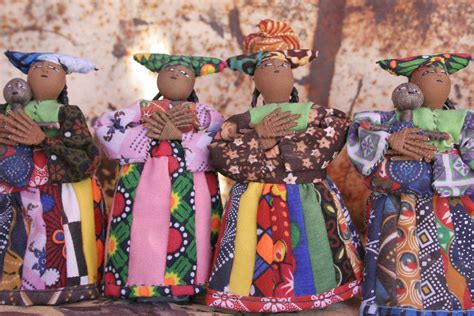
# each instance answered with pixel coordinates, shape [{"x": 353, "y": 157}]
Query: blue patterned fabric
[
  {"x": 16, "y": 165},
  {"x": 303, "y": 273}
]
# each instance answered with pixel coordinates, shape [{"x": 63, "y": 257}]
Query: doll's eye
[
  {"x": 169, "y": 69},
  {"x": 284, "y": 65},
  {"x": 264, "y": 65},
  {"x": 428, "y": 72},
  {"x": 443, "y": 71},
  {"x": 37, "y": 66},
  {"x": 9, "y": 86},
  {"x": 184, "y": 73},
  {"x": 53, "y": 68},
  {"x": 402, "y": 88}
]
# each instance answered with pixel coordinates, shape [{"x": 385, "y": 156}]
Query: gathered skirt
[
  {"x": 51, "y": 243},
  {"x": 162, "y": 230},
  {"x": 285, "y": 248},
  {"x": 419, "y": 256}
]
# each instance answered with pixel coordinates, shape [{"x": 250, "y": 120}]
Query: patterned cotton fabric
[
  {"x": 416, "y": 257},
  {"x": 286, "y": 241},
  {"x": 248, "y": 63},
  {"x": 451, "y": 62},
  {"x": 284, "y": 248},
  {"x": 52, "y": 231},
  {"x": 166, "y": 208},
  {"x": 200, "y": 65}
]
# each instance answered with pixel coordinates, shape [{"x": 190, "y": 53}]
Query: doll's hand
[
  {"x": 160, "y": 127},
  {"x": 19, "y": 128},
  {"x": 181, "y": 116},
  {"x": 411, "y": 145},
  {"x": 277, "y": 124}
]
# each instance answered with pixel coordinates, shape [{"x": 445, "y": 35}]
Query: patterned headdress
[
  {"x": 273, "y": 35},
  {"x": 200, "y": 65},
  {"x": 406, "y": 66},
  {"x": 23, "y": 61},
  {"x": 248, "y": 63}
]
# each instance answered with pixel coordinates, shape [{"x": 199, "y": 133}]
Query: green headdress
[{"x": 200, "y": 65}]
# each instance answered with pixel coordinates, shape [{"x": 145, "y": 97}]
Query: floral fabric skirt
[
  {"x": 51, "y": 243},
  {"x": 284, "y": 248},
  {"x": 419, "y": 256},
  {"x": 162, "y": 230}
]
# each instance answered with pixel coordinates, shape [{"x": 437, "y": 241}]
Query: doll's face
[
  {"x": 176, "y": 82},
  {"x": 435, "y": 85},
  {"x": 274, "y": 79},
  {"x": 17, "y": 91},
  {"x": 46, "y": 80},
  {"x": 407, "y": 96},
  {"x": 229, "y": 131}
]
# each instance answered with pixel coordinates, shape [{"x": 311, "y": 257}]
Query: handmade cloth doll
[
  {"x": 286, "y": 241},
  {"x": 52, "y": 229},
  {"x": 420, "y": 231},
  {"x": 166, "y": 209}
]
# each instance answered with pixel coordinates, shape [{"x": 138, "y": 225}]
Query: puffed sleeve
[
  {"x": 72, "y": 156},
  {"x": 241, "y": 158},
  {"x": 122, "y": 136},
  {"x": 367, "y": 148},
  {"x": 195, "y": 143},
  {"x": 316, "y": 146},
  {"x": 466, "y": 145}
]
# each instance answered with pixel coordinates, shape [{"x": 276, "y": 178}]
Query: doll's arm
[
  {"x": 122, "y": 136},
  {"x": 466, "y": 145},
  {"x": 72, "y": 156},
  {"x": 367, "y": 148},
  {"x": 195, "y": 143},
  {"x": 319, "y": 144},
  {"x": 238, "y": 153}
]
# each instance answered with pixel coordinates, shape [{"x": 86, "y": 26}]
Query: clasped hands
[
  {"x": 274, "y": 125},
  {"x": 407, "y": 144},
  {"x": 168, "y": 125},
  {"x": 16, "y": 127}
]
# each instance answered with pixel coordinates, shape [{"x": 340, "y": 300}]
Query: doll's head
[
  {"x": 47, "y": 80},
  {"x": 17, "y": 93},
  {"x": 407, "y": 96},
  {"x": 176, "y": 82},
  {"x": 434, "y": 83},
  {"x": 274, "y": 80},
  {"x": 430, "y": 73}
]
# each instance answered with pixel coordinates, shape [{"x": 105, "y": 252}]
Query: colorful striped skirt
[
  {"x": 419, "y": 256},
  {"x": 162, "y": 230},
  {"x": 51, "y": 243},
  {"x": 285, "y": 248}
]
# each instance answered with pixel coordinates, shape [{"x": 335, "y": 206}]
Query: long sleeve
[
  {"x": 316, "y": 146},
  {"x": 367, "y": 148},
  {"x": 241, "y": 158},
  {"x": 121, "y": 135},
  {"x": 466, "y": 145},
  {"x": 72, "y": 156},
  {"x": 195, "y": 143}
]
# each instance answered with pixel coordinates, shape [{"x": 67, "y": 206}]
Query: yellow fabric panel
[
  {"x": 245, "y": 240},
  {"x": 83, "y": 190}
]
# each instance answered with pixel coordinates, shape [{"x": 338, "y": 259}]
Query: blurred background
[{"x": 351, "y": 35}]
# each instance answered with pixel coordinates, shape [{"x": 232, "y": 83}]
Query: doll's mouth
[
  {"x": 14, "y": 93},
  {"x": 439, "y": 80},
  {"x": 276, "y": 71},
  {"x": 173, "y": 77},
  {"x": 44, "y": 76}
]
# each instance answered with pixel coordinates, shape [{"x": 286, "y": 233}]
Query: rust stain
[{"x": 327, "y": 40}]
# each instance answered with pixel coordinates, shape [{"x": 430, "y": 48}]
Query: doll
[
  {"x": 406, "y": 98},
  {"x": 420, "y": 229},
  {"x": 166, "y": 207},
  {"x": 286, "y": 242},
  {"x": 52, "y": 233}
]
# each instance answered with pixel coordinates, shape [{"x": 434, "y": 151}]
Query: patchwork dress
[
  {"x": 421, "y": 217},
  {"x": 51, "y": 213},
  {"x": 286, "y": 242},
  {"x": 166, "y": 208}
]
